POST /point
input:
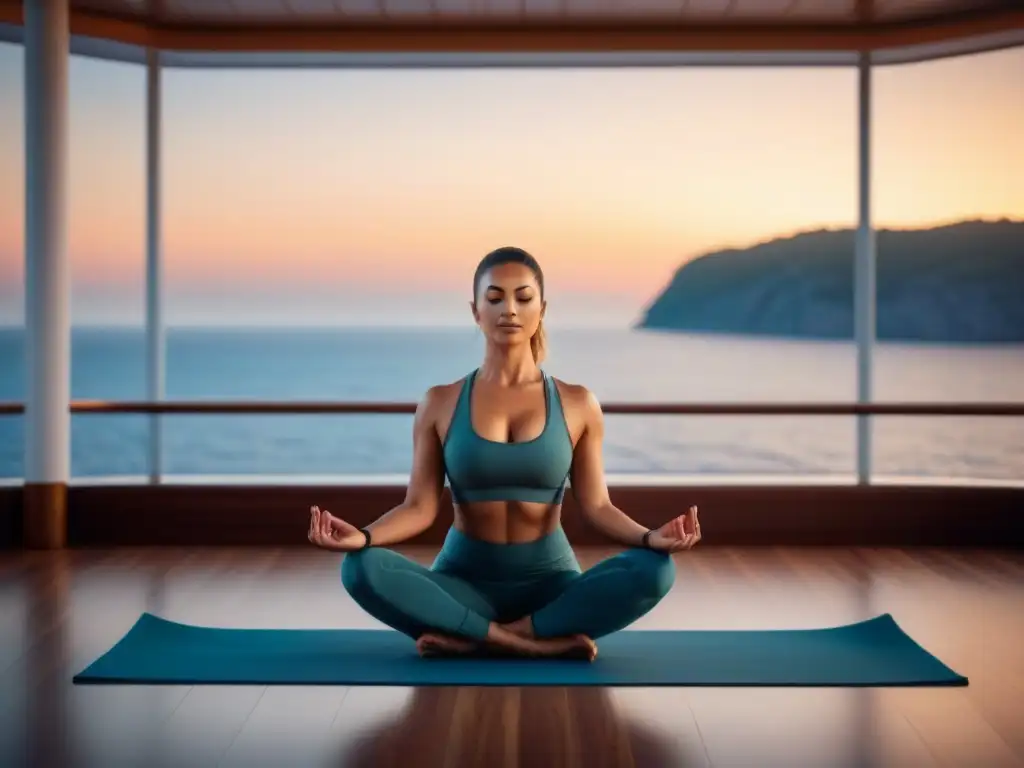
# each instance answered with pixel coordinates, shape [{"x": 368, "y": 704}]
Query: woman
[{"x": 508, "y": 437}]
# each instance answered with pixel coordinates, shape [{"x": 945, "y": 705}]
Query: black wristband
[
  {"x": 369, "y": 540},
  {"x": 645, "y": 542}
]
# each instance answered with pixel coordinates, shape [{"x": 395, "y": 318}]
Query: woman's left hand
[{"x": 677, "y": 535}]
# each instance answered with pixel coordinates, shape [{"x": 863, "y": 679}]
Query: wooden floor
[{"x": 59, "y": 611}]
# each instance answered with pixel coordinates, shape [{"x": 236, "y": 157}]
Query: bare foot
[
  {"x": 575, "y": 647},
  {"x": 504, "y": 640},
  {"x": 522, "y": 627},
  {"x": 444, "y": 645}
]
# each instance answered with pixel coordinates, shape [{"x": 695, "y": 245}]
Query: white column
[
  {"x": 864, "y": 270},
  {"x": 154, "y": 274},
  {"x": 47, "y": 275}
]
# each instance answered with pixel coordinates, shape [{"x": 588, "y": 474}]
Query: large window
[
  {"x": 949, "y": 163},
  {"x": 12, "y": 262},
  {"x": 322, "y": 229},
  {"x": 106, "y": 226},
  {"x": 106, "y": 242},
  {"x": 695, "y": 225}
]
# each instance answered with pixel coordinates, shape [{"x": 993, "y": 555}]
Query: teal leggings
[{"x": 473, "y": 582}]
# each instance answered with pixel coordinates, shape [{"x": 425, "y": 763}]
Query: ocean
[{"x": 617, "y": 365}]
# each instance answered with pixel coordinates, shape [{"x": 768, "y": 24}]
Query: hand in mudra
[
  {"x": 677, "y": 535},
  {"x": 329, "y": 532}
]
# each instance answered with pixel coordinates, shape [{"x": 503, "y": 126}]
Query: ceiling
[
  {"x": 248, "y": 14},
  {"x": 219, "y": 32}
]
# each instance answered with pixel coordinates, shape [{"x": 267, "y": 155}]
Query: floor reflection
[
  {"x": 47, "y": 645},
  {"x": 506, "y": 727},
  {"x": 59, "y": 611}
]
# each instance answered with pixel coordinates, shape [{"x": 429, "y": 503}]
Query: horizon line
[
  {"x": 723, "y": 245},
  {"x": 141, "y": 326}
]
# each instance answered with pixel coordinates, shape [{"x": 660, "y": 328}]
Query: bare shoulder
[
  {"x": 438, "y": 398},
  {"x": 579, "y": 399},
  {"x": 437, "y": 406},
  {"x": 576, "y": 394}
]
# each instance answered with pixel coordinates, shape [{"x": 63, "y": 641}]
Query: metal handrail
[{"x": 634, "y": 408}]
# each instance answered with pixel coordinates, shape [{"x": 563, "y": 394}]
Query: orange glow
[{"x": 612, "y": 178}]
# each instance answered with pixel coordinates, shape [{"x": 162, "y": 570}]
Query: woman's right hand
[{"x": 329, "y": 532}]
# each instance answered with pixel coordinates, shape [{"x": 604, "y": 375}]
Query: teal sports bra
[{"x": 485, "y": 470}]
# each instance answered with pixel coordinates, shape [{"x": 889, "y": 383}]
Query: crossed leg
[
  {"x": 447, "y": 614},
  {"x": 413, "y": 599},
  {"x": 443, "y": 613},
  {"x": 602, "y": 600}
]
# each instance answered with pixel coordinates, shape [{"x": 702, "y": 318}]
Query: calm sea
[{"x": 620, "y": 365}]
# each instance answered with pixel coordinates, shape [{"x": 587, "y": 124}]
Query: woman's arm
[
  {"x": 426, "y": 482},
  {"x": 589, "y": 485},
  {"x": 591, "y": 490}
]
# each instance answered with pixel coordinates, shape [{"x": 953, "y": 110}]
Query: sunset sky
[{"x": 368, "y": 197}]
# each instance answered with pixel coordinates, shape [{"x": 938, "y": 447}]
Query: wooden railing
[
  {"x": 863, "y": 514},
  {"x": 633, "y": 409}
]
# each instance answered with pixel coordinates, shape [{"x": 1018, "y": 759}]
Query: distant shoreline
[{"x": 956, "y": 284}]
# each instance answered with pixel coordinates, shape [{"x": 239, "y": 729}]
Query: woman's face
[{"x": 508, "y": 306}]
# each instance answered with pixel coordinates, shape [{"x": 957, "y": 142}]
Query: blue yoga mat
[{"x": 870, "y": 653}]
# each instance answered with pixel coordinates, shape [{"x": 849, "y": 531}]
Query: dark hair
[{"x": 511, "y": 255}]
